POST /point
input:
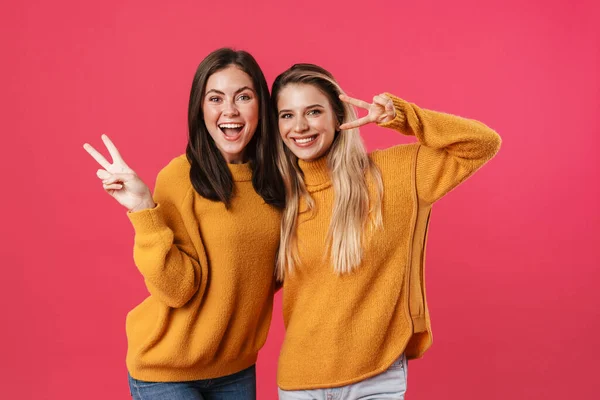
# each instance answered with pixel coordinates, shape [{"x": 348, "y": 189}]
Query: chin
[
  {"x": 308, "y": 157},
  {"x": 231, "y": 152}
]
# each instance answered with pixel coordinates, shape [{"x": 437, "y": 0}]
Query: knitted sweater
[
  {"x": 209, "y": 271},
  {"x": 341, "y": 329}
]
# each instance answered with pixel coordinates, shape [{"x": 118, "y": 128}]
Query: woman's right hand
[
  {"x": 381, "y": 110},
  {"x": 120, "y": 181}
]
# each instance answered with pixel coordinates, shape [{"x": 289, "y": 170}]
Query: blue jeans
[
  {"x": 390, "y": 384},
  {"x": 238, "y": 386}
]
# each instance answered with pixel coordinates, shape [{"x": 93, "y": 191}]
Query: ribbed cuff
[
  {"x": 399, "y": 122},
  {"x": 148, "y": 220}
]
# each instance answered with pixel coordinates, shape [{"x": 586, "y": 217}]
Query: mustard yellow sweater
[
  {"x": 347, "y": 328},
  {"x": 209, "y": 272}
]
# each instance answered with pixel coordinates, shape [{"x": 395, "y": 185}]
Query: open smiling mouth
[
  {"x": 231, "y": 131},
  {"x": 305, "y": 141}
]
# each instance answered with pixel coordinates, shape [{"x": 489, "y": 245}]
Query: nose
[
  {"x": 230, "y": 109},
  {"x": 300, "y": 125}
]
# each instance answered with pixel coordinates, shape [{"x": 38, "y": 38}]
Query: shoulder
[
  {"x": 395, "y": 155},
  {"x": 177, "y": 169},
  {"x": 397, "y": 166},
  {"x": 174, "y": 179}
]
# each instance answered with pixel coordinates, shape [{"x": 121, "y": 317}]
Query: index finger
[
  {"x": 356, "y": 123},
  {"x": 355, "y": 102},
  {"x": 97, "y": 156}
]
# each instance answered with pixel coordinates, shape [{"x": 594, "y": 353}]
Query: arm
[
  {"x": 170, "y": 260},
  {"x": 452, "y": 148},
  {"x": 168, "y": 249}
]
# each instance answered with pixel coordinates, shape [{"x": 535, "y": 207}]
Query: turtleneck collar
[
  {"x": 240, "y": 172},
  {"x": 315, "y": 171}
]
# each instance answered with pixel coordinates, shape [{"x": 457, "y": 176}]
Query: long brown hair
[{"x": 209, "y": 173}]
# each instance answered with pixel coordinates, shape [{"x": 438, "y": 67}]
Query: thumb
[
  {"x": 118, "y": 178},
  {"x": 103, "y": 174}
]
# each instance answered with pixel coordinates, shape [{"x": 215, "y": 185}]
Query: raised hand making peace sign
[
  {"x": 380, "y": 111},
  {"x": 120, "y": 181}
]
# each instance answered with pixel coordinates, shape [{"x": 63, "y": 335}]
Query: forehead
[
  {"x": 228, "y": 80},
  {"x": 301, "y": 95}
]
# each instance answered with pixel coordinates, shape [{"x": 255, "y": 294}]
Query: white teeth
[
  {"x": 231, "y": 126},
  {"x": 305, "y": 140}
]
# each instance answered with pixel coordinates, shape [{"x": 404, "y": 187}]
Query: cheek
[
  {"x": 283, "y": 129},
  {"x": 251, "y": 113},
  {"x": 331, "y": 128},
  {"x": 325, "y": 126},
  {"x": 210, "y": 114},
  {"x": 328, "y": 129}
]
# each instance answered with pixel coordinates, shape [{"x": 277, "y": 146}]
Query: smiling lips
[
  {"x": 305, "y": 141},
  {"x": 232, "y": 131}
]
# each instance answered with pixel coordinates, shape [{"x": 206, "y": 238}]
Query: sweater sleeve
[
  {"x": 168, "y": 249},
  {"x": 451, "y": 148}
]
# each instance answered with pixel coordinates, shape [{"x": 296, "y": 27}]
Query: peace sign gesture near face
[
  {"x": 380, "y": 111},
  {"x": 120, "y": 181}
]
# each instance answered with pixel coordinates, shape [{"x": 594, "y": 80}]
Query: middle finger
[{"x": 97, "y": 156}]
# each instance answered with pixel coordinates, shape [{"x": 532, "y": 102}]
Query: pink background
[{"x": 512, "y": 266}]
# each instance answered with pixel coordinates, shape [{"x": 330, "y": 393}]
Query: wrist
[
  {"x": 143, "y": 205},
  {"x": 399, "y": 121}
]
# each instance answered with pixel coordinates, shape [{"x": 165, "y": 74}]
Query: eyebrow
[
  {"x": 236, "y": 92},
  {"x": 306, "y": 108}
]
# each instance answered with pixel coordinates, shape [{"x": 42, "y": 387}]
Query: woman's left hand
[{"x": 380, "y": 111}]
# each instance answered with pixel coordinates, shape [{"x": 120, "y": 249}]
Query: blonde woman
[{"x": 353, "y": 233}]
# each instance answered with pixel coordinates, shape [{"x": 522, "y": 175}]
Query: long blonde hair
[{"x": 348, "y": 165}]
